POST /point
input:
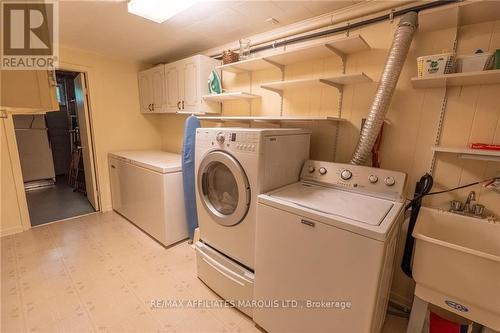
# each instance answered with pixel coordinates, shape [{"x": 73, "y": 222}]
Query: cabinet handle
[
  {"x": 178, "y": 105},
  {"x": 308, "y": 223},
  {"x": 152, "y": 106},
  {"x": 149, "y": 107},
  {"x": 183, "y": 104}
]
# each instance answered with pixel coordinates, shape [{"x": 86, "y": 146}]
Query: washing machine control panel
[
  {"x": 232, "y": 141},
  {"x": 367, "y": 180}
]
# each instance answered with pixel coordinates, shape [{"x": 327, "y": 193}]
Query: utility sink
[{"x": 456, "y": 264}]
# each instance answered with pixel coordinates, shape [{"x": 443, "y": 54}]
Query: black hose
[{"x": 422, "y": 188}]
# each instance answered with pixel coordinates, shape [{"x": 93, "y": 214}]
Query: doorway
[{"x": 55, "y": 151}]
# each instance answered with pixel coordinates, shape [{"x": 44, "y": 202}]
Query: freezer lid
[
  {"x": 357, "y": 207},
  {"x": 155, "y": 160}
]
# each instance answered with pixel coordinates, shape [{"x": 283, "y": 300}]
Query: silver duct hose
[{"x": 395, "y": 61}]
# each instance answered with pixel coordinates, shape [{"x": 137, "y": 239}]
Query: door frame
[{"x": 13, "y": 151}]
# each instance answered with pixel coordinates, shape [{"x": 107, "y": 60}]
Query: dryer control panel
[{"x": 355, "y": 178}]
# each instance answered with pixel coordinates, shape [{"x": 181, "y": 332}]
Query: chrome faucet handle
[
  {"x": 467, "y": 205},
  {"x": 478, "y": 209},
  {"x": 455, "y": 205}
]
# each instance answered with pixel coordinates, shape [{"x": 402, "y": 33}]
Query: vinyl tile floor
[
  {"x": 56, "y": 203},
  {"x": 99, "y": 273}
]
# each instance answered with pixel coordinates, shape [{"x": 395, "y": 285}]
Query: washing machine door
[{"x": 223, "y": 188}]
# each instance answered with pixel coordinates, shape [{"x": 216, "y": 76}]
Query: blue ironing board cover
[{"x": 188, "y": 172}]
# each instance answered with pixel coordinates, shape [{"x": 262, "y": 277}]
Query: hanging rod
[{"x": 348, "y": 26}]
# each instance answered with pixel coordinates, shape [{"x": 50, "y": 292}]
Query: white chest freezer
[{"x": 146, "y": 188}]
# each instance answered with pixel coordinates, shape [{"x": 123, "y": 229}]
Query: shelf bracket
[
  {"x": 335, "y": 85},
  {"x": 266, "y": 121},
  {"x": 278, "y": 91},
  {"x": 340, "y": 54},
  {"x": 278, "y": 65}
]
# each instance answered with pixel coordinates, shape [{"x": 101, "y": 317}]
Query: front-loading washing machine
[{"x": 233, "y": 166}]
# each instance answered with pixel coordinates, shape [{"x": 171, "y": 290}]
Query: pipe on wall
[
  {"x": 311, "y": 29},
  {"x": 267, "y": 40},
  {"x": 387, "y": 84}
]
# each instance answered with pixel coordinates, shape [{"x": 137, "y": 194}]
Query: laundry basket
[{"x": 436, "y": 64}]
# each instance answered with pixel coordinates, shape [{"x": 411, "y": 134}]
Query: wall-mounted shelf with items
[
  {"x": 476, "y": 154},
  {"x": 230, "y": 96},
  {"x": 335, "y": 81},
  {"x": 340, "y": 47},
  {"x": 269, "y": 119},
  {"x": 457, "y": 79},
  {"x": 458, "y": 14}
]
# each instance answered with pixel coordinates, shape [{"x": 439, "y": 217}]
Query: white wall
[
  {"x": 117, "y": 124},
  {"x": 473, "y": 114}
]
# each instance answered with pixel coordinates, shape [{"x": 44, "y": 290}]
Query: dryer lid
[{"x": 357, "y": 207}]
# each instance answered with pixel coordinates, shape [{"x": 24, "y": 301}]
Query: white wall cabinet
[
  {"x": 28, "y": 91},
  {"x": 180, "y": 87},
  {"x": 152, "y": 90}
]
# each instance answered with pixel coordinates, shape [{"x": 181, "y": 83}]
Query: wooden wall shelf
[
  {"x": 476, "y": 154},
  {"x": 271, "y": 119},
  {"x": 458, "y": 14},
  {"x": 457, "y": 79},
  {"x": 228, "y": 96},
  {"x": 340, "y": 47},
  {"x": 335, "y": 81}
]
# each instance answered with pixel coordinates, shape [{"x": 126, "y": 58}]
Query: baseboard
[
  {"x": 400, "y": 300},
  {"x": 11, "y": 231},
  {"x": 106, "y": 208}
]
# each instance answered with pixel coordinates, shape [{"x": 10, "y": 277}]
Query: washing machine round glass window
[{"x": 224, "y": 188}]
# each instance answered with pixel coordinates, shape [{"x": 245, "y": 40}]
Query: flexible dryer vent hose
[{"x": 395, "y": 61}]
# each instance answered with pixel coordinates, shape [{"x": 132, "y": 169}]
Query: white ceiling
[{"x": 105, "y": 27}]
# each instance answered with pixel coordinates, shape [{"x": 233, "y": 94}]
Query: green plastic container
[{"x": 497, "y": 59}]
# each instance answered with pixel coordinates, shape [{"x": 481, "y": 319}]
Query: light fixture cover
[{"x": 158, "y": 10}]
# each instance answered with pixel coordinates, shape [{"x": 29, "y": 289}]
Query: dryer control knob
[
  {"x": 373, "y": 179},
  {"x": 322, "y": 171},
  {"x": 220, "y": 138},
  {"x": 389, "y": 181},
  {"x": 346, "y": 174},
  {"x": 311, "y": 169}
]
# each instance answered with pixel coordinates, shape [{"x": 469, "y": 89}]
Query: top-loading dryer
[{"x": 233, "y": 166}]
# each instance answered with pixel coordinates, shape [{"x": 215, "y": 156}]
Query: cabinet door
[
  {"x": 173, "y": 80},
  {"x": 29, "y": 89},
  {"x": 158, "y": 90},
  {"x": 191, "y": 96},
  {"x": 145, "y": 91}
]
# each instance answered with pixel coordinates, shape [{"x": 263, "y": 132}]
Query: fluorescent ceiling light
[{"x": 159, "y": 10}]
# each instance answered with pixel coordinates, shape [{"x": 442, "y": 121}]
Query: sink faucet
[
  {"x": 470, "y": 198},
  {"x": 469, "y": 207}
]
